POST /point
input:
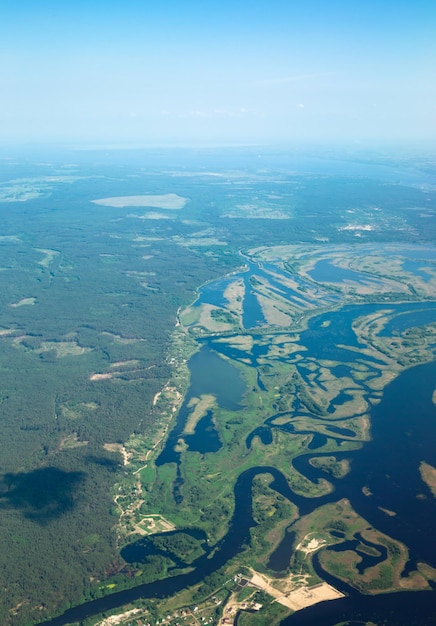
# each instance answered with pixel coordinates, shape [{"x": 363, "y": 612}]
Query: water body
[
  {"x": 418, "y": 268},
  {"x": 280, "y": 558},
  {"x": 205, "y": 438},
  {"x": 252, "y": 314},
  {"x": 397, "y": 609},
  {"x": 210, "y": 374},
  {"x": 318, "y": 441},
  {"x": 301, "y": 163},
  {"x": 263, "y": 432},
  {"x": 422, "y": 253},
  {"x": 346, "y": 432},
  {"x": 213, "y": 293},
  {"x": 327, "y": 331},
  {"x": 407, "y": 319},
  {"x": 325, "y": 271},
  {"x": 404, "y": 431},
  {"x": 368, "y": 560},
  {"x": 340, "y": 399}
]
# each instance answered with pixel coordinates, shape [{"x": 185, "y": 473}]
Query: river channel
[
  {"x": 404, "y": 432},
  {"x": 403, "y": 429}
]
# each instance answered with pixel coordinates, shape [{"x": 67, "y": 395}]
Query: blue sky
[{"x": 259, "y": 71}]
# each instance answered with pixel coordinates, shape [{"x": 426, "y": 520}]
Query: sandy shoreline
[{"x": 296, "y": 598}]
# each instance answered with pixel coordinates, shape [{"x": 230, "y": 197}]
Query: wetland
[
  {"x": 212, "y": 405},
  {"x": 249, "y": 484}
]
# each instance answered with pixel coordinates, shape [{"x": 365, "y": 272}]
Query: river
[
  {"x": 403, "y": 429},
  {"x": 404, "y": 432}
]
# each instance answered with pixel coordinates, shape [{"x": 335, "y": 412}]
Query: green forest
[{"x": 90, "y": 296}]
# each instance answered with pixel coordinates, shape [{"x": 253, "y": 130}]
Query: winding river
[
  {"x": 404, "y": 432},
  {"x": 403, "y": 429}
]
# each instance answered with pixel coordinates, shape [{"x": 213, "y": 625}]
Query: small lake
[
  {"x": 205, "y": 437},
  {"x": 326, "y": 271},
  {"x": 404, "y": 432},
  {"x": 403, "y": 429},
  {"x": 210, "y": 374}
]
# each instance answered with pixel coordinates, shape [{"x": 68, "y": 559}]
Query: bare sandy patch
[
  {"x": 387, "y": 511},
  {"x": 272, "y": 312},
  {"x": 253, "y": 211},
  {"x": 428, "y": 475},
  {"x": 307, "y": 596},
  {"x": 240, "y": 342},
  {"x": 122, "y": 618},
  {"x": 106, "y": 376},
  {"x": 49, "y": 255},
  {"x": 4, "y": 332},
  {"x": 310, "y": 544},
  {"x": 156, "y": 397},
  {"x": 200, "y": 407},
  {"x": 19, "y": 193},
  {"x": 130, "y": 363},
  {"x": 154, "y": 523},
  {"x": 195, "y": 242},
  {"x": 118, "y": 447},
  {"x": 11, "y": 238},
  {"x": 234, "y": 294},
  {"x": 293, "y": 594},
  {"x": 163, "y": 201},
  {"x": 356, "y": 227},
  {"x": 23, "y": 302}
]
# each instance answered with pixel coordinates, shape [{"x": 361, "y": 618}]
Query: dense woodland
[{"x": 108, "y": 293}]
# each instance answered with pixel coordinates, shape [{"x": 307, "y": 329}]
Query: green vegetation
[
  {"x": 271, "y": 613},
  {"x": 97, "y": 323}
]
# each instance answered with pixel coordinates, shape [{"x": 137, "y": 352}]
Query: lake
[{"x": 403, "y": 429}]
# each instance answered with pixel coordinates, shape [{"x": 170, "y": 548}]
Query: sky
[{"x": 217, "y": 71}]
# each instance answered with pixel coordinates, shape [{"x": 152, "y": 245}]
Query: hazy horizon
[{"x": 217, "y": 73}]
